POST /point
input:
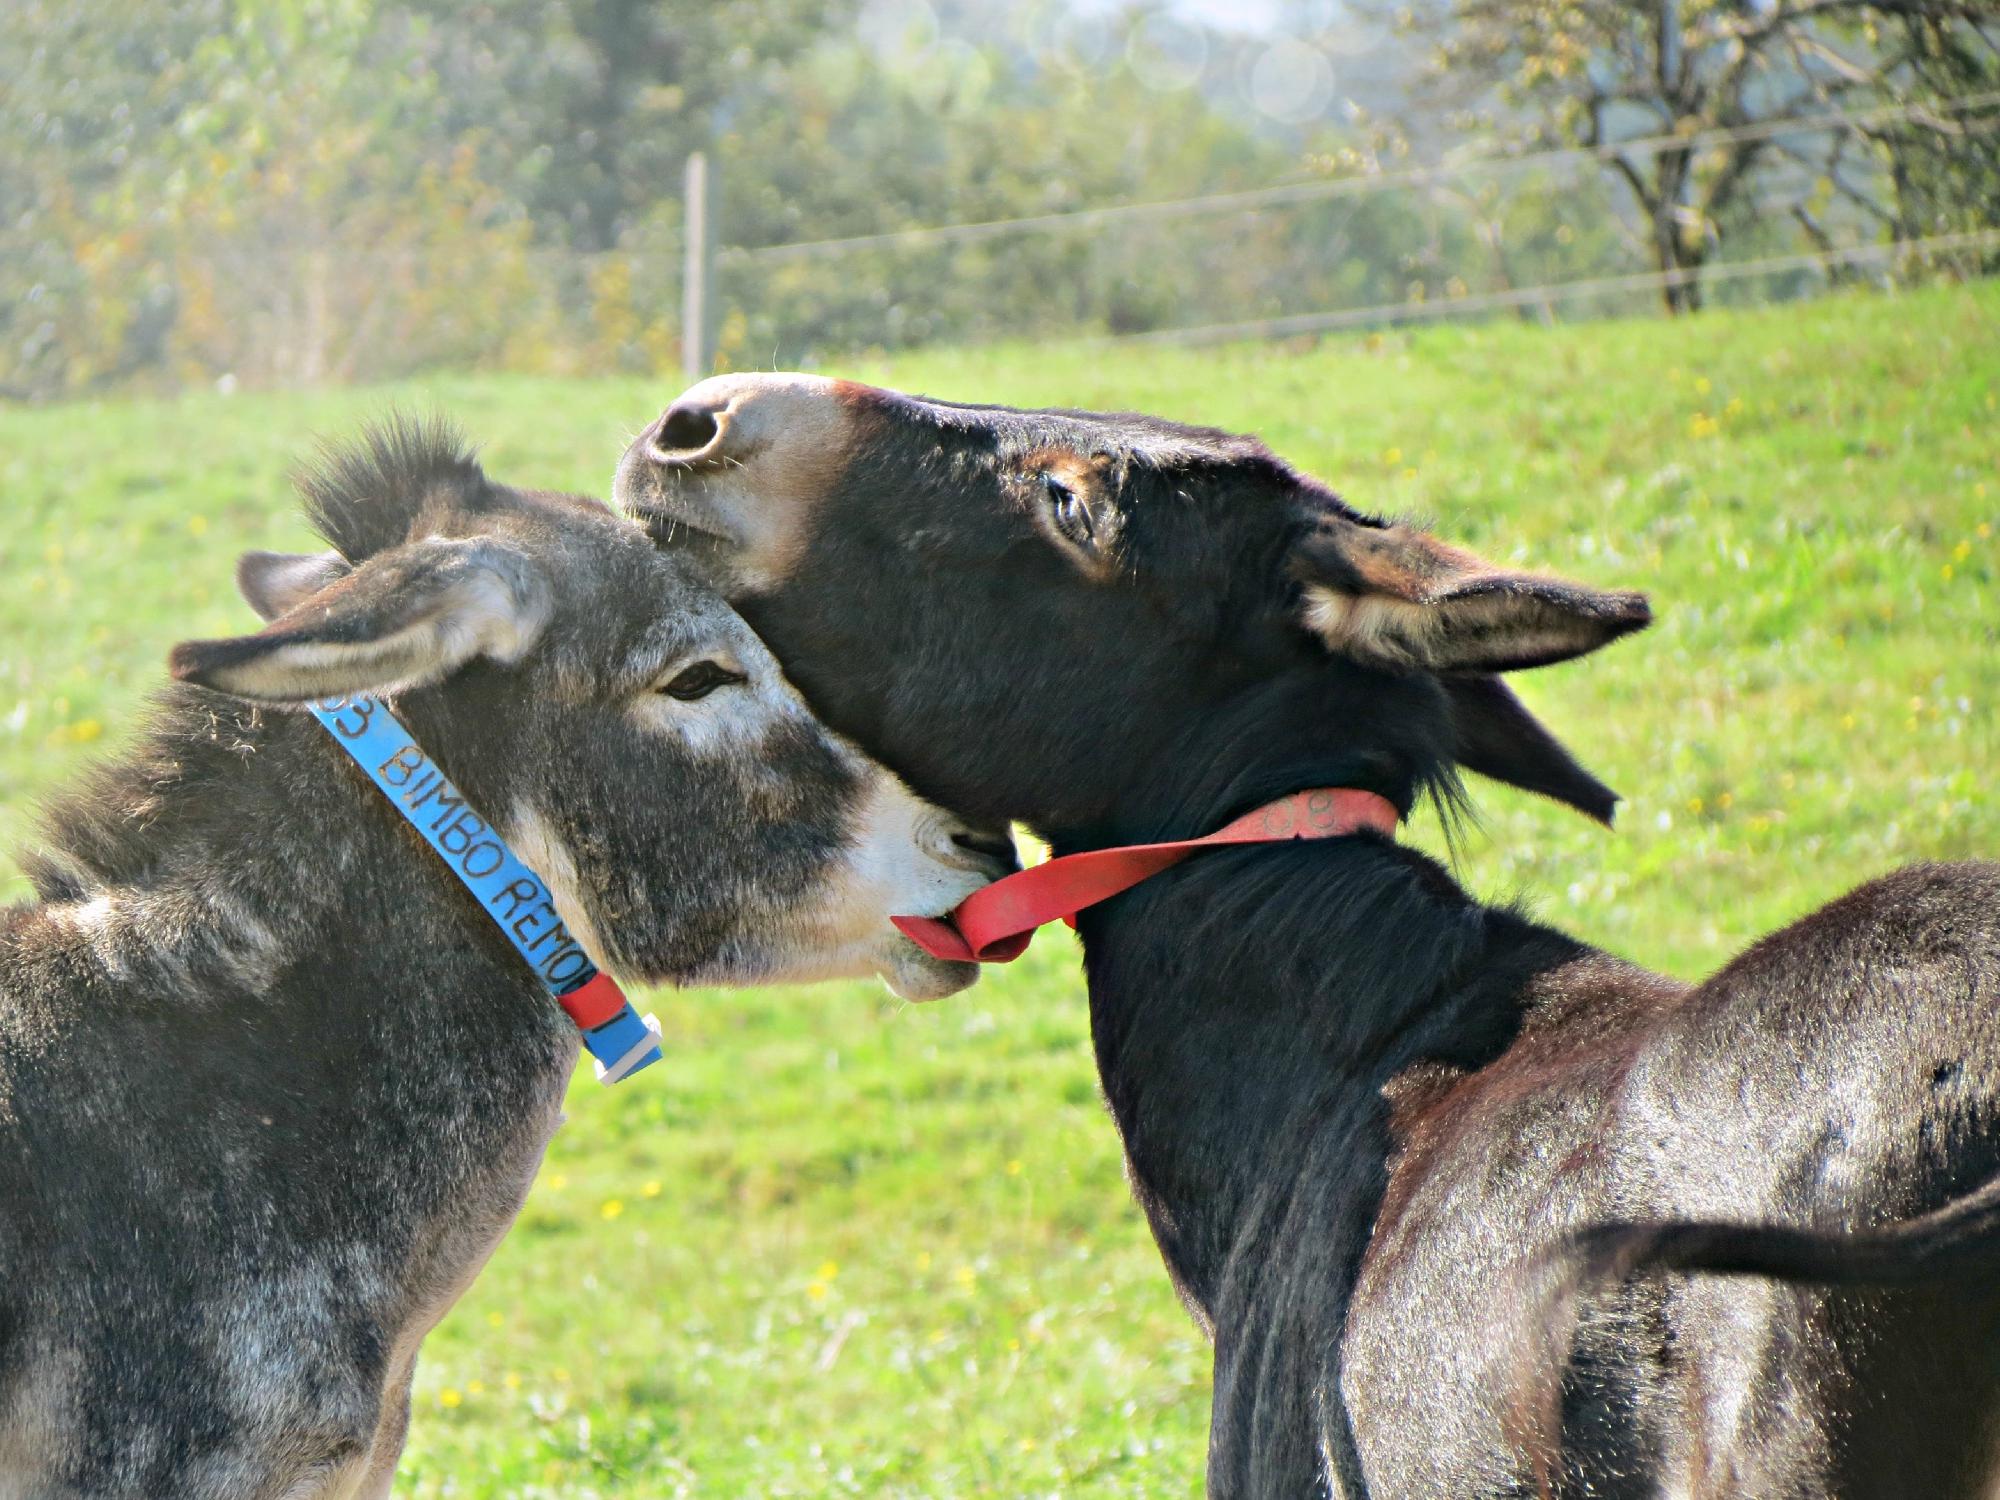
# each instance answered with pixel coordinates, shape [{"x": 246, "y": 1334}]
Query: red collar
[{"x": 993, "y": 925}]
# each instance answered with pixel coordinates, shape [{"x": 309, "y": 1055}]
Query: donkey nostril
[{"x": 687, "y": 428}]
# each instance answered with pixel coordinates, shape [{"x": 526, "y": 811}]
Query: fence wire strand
[
  {"x": 1285, "y": 194},
  {"x": 1561, "y": 291}
]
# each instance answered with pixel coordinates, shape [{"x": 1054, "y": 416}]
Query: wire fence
[
  {"x": 1529, "y": 232},
  {"x": 1320, "y": 190},
  {"x": 1917, "y": 251},
  {"x": 1532, "y": 233}
]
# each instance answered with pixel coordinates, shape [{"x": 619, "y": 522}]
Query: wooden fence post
[{"x": 698, "y": 274}]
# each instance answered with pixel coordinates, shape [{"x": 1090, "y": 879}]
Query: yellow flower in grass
[
  {"x": 450, "y": 1399},
  {"x": 827, "y": 1271},
  {"x": 612, "y": 1208},
  {"x": 650, "y": 1190}
]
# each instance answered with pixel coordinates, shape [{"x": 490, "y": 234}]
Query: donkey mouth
[
  {"x": 669, "y": 506},
  {"x": 914, "y": 975},
  {"x": 672, "y": 520},
  {"x": 670, "y": 529}
]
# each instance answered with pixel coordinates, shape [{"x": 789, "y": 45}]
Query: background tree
[
  {"x": 1943, "y": 165},
  {"x": 286, "y": 191},
  {"x": 87, "y": 109},
  {"x": 590, "y": 107},
  {"x": 1595, "y": 73}
]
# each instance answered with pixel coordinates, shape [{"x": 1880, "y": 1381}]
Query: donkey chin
[{"x": 906, "y": 856}]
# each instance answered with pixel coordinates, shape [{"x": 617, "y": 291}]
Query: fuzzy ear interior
[
  {"x": 1498, "y": 737},
  {"x": 1398, "y": 597},
  {"x": 403, "y": 618},
  {"x": 275, "y": 582}
]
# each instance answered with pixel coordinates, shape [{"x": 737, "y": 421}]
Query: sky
[
  {"x": 1293, "y": 63},
  {"x": 1239, "y": 15}
]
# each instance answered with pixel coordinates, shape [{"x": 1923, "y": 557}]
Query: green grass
[{"x": 839, "y": 1246}]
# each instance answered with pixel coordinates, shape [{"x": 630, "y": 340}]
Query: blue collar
[{"x": 515, "y": 897}]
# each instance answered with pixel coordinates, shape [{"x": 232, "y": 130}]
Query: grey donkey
[{"x": 272, "y": 1084}]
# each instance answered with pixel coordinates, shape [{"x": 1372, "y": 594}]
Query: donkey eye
[
  {"x": 699, "y": 680},
  {"x": 1073, "y": 518}
]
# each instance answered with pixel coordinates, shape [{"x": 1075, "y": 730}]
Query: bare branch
[
  {"x": 1636, "y": 180},
  {"x": 1842, "y": 67},
  {"x": 1723, "y": 187},
  {"x": 1830, "y": 170},
  {"x": 1788, "y": 14}
]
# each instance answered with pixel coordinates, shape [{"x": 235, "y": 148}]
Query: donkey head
[
  {"x": 1019, "y": 608},
  {"x": 617, "y": 722}
]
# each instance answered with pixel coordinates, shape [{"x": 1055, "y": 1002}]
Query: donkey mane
[
  {"x": 116, "y": 825},
  {"x": 1273, "y": 741},
  {"x": 120, "y": 822},
  {"x": 366, "y": 495}
]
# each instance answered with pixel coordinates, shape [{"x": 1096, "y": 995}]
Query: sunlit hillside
[{"x": 840, "y": 1246}]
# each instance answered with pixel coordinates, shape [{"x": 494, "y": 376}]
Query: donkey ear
[
  {"x": 1401, "y": 598},
  {"x": 1498, "y": 737},
  {"x": 274, "y": 582},
  {"x": 403, "y": 618}
]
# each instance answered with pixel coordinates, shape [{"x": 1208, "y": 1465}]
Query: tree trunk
[
  {"x": 1682, "y": 295},
  {"x": 1672, "y": 255}
]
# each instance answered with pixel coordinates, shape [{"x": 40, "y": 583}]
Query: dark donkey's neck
[
  {"x": 291, "y": 943},
  {"x": 1249, "y": 1006}
]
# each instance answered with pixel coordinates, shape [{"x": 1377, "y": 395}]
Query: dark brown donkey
[{"x": 1356, "y": 1102}]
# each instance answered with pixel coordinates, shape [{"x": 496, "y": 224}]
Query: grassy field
[{"x": 842, "y": 1246}]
